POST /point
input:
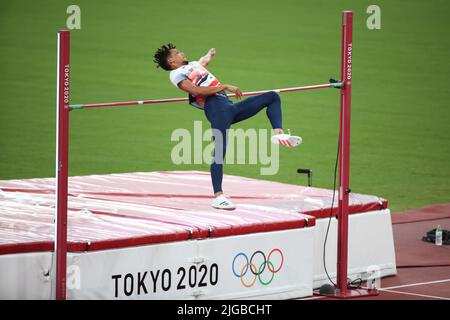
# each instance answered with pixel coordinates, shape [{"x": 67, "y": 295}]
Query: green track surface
[{"x": 400, "y": 146}]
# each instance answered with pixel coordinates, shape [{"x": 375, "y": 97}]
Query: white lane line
[
  {"x": 415, "y": 284},
  {"x": 313, "y": 298},
  {"x": 397, "y": 287},
  {"x": 414, "y": 294}
]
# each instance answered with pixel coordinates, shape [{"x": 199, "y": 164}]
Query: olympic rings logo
[{"x": 266, "y": 264}]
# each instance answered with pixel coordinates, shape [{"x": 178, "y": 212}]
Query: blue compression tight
[{"x": 222, "y": 113}]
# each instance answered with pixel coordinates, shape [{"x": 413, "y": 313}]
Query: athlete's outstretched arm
[{"x": 206, "y": 59}]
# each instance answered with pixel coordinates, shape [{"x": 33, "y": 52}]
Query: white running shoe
[
  {"x": 222, "y": 202},
  {"x": 286, "y": 140}
]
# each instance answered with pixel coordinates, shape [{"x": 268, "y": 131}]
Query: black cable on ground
[
  {"x": 352, "y": 284},
  {"x": 331, "y": 212}
]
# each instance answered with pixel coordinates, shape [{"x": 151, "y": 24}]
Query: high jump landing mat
[{"x": 153, "y": 235}]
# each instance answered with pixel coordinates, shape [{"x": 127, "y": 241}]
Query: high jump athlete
[{"x": 207, "y": 93}]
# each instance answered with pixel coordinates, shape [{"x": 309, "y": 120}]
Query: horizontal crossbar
[{"x": 251, "y": 93}]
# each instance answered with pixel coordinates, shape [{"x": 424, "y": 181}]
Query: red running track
[{"x": 423, "y": 268}]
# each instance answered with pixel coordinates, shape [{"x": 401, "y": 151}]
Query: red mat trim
[{"x": 353, "y": 209}]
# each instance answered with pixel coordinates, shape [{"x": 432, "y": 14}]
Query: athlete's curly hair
[{"x": 161, "y": 56}]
